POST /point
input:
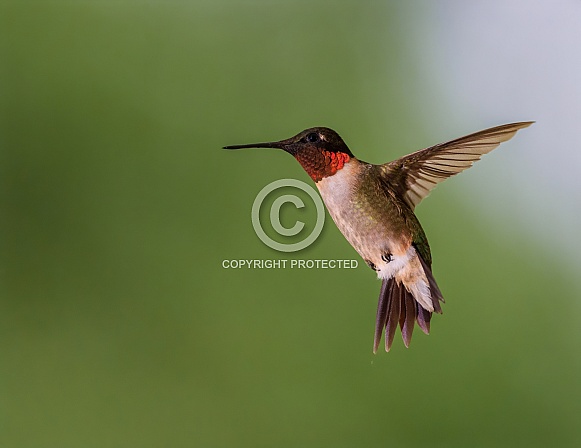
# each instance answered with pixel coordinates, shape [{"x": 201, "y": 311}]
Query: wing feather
[{"x": 415, "y": 175}]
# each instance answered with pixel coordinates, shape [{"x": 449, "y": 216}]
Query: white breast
[{"x": 336, "y": 190}]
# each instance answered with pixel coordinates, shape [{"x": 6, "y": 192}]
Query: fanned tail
[{"x": 398, "y": 305}]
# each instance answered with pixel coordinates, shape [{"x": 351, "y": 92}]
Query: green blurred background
[{"x": 120, "y": 328}]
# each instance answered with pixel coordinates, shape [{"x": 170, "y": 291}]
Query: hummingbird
[{"x": 373, "y": 207}]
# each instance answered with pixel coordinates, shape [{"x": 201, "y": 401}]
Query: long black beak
[{"x": 278, "y": 145}]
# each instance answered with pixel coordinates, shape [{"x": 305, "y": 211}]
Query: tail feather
[
  {"x": 402, "y": 311},
  {"x": 393, "y": 312},
  {"x": 424, "y": 319},
  {"x": 434, "y": 290},
  {"x": 397, "y": 305},
  {"x": 382, "y": 307},
  {"x": 410, "y": 316}
]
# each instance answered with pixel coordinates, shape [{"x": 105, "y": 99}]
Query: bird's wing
[{"x": 415, "y": 175}]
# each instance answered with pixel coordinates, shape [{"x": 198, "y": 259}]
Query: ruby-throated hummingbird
[{"x": 373, "y": 206}]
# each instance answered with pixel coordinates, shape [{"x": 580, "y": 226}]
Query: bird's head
[{"x": 320, "y": 151}]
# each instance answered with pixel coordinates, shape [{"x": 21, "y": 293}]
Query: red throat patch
[{"x": 323, "y": 164}]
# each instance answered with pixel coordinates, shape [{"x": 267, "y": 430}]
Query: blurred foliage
[{"x": 118, "y": 325}]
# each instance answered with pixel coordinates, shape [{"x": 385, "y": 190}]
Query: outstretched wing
[{"x": 415, "y": 175}]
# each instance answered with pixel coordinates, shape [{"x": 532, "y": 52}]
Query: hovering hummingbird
[{"x": 373, "y": 206}]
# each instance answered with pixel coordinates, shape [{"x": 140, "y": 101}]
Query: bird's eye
[{"x": 313, "y": 137}]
